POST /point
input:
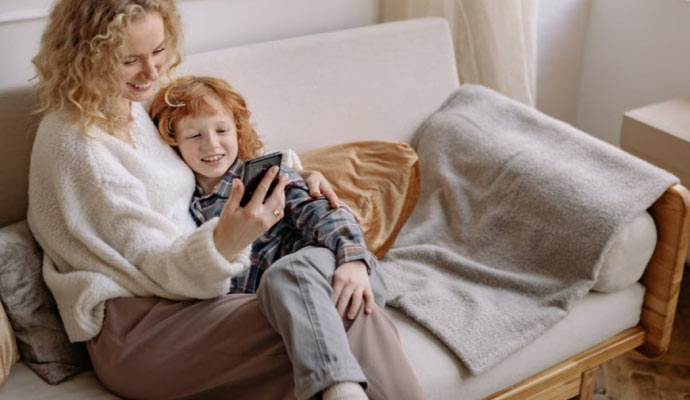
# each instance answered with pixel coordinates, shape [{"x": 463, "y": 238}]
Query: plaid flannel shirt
[{"x": 306, "y": 222}]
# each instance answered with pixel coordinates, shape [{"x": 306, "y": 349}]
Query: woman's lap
[
  {"x": 151, "y": 348},
  {"x": 156, "y": 348}
]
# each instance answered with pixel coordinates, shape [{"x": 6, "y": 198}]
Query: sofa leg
[{"x": 587, "y": 385}]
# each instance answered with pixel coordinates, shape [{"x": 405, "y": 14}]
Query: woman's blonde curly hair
[
  {"x": 187, "y": 96},
  {"x": 77, "y": 63}
]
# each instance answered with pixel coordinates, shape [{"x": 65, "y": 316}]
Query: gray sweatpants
[{"x": 295, "y": 295}]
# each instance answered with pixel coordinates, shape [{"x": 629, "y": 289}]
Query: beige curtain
[{"x": 495, "y": 40}]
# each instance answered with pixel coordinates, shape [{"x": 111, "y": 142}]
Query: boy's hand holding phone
[
  {"x": 240, "y": 226},
  {"x": 254, "y": 171}
]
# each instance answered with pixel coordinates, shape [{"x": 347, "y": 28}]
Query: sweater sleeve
[{"x": 161, "y": 257}]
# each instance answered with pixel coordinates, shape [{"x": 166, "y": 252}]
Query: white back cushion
[{"x": 374, "y": 82}]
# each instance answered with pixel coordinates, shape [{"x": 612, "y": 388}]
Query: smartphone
[{"x": 254, "y": 171}]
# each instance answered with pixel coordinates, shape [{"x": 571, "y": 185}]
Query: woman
[{"x": 132, "y": 275}]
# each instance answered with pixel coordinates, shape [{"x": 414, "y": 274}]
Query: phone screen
[{"x": 254, "y": 171}]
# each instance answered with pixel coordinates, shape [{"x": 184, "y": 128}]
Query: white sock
[{"x": 345, "y": 391}]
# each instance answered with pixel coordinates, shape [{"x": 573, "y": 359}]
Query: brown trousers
[{"x": 224, "y": 348}]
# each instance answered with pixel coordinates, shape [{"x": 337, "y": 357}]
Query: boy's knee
[{"x": 312, "y": 263}]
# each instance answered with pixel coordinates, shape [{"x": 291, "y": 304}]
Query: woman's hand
[
  {"x": 238, "y": 226},
  {"x": 351, "y": 287},
  {"x": 318, "y": 184}
]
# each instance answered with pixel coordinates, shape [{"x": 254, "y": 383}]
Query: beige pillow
[
  {"x": 8, "y": 347},
  {"x": 627, "y": 257},
  {"x": 378, "y": 180}
]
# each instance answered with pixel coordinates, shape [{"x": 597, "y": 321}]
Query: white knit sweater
[{"x": 113, "y": 221}]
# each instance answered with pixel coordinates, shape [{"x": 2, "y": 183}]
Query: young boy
[{"x": 207, "y": 122}]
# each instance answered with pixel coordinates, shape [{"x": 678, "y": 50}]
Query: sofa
[{"x": 379, "y": 83}]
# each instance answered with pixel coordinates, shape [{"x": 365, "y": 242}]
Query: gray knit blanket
[{"x": 515, "y": 213}]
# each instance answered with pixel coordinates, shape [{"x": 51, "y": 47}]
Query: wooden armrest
[
  {"x": 671, "y": 213},
  {"x": 573, "y": 376}
]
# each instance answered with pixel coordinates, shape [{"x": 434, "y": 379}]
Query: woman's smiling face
[{"x": 143, "y": 56}]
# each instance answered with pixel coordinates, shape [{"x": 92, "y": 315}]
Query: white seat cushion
[
  {"x": 596, "y": 318},
  {"x": 23, "y": 383}
]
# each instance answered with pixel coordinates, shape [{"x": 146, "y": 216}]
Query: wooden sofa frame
[{"x": 574, "y": 377}]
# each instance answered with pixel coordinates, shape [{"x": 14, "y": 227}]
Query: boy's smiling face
[{"x": 208, "y": 143}]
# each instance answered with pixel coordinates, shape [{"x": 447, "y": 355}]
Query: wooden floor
[{"x": 635, "y": 377}]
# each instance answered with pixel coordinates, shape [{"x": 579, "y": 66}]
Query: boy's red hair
[{"x": 186, "y": 96}]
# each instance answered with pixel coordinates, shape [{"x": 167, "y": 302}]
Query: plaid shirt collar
[
  {"x": 222, "y": 188},
  {"x": 205, "y": 206}
]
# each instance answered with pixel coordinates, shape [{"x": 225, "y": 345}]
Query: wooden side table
[{"x": 660, "y": 134}]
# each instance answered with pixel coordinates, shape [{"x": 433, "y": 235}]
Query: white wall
[
  {"x": 208, "y": 24},
  {"x": 561, "y": 30},
  {"x": 17, "y": 9},
  {"x": 637, "y": 52},
  {"x": 211, "y": 24},
  {"x": 600, "y": 58}
]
